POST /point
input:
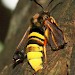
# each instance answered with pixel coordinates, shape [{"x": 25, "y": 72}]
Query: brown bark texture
[{"x": 61, "y": 62}]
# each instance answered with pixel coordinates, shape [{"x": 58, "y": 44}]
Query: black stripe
[
  {"x": 34, "y": 42},
  {"x": 35, "y": 37},
  {"x": 37, "y": 29}
]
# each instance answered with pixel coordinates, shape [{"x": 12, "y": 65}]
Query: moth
[{"x": 42, "y": 31}]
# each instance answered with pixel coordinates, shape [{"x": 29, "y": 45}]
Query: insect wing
[
  {"x": 19, "y": 54},
  {"x": 56, "y": 37},
  {"x": 24, "y": 38}
]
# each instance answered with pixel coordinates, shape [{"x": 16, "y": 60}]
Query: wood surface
[{"x": 61, "y": 62}]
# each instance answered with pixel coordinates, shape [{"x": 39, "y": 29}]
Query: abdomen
[{"x": 34, "y": 49}]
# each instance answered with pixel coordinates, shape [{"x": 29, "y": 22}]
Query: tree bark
[{"x": 59, "y": 62}]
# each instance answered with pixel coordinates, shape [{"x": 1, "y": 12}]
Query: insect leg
[
  {"x": 37, "y": 3},
  {"x": 45, "y": 43},
  {"x": 54, "y": 7}
]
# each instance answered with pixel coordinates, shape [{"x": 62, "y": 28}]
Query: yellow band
[
  {"x": 34, "y": 55},
  {"x": 37, "y": 35}
]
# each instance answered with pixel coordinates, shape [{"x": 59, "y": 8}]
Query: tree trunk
[{"x": 58, "y": 61}]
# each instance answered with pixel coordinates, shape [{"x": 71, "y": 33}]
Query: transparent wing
[{"x": 19, "y": 54}]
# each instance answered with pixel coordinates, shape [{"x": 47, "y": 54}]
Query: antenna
[
  {"x": 55, "y": 7},
  {"x": 47, "y": 5},
  {"x": 38, "y": 3},
  {"x": 47, "y": 9}
]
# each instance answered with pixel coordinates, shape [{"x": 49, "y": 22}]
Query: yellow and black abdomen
[{"x": 34, "y": 48}]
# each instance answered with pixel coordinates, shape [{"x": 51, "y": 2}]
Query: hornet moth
[{"x": 42, "y": 31}]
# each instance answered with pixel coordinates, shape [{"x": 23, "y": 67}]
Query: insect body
[
  {"x": 42, "y": 31},
  {"x": 35, "y": 47}
]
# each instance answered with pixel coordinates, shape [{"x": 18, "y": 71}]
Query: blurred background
[{"x": 7, "y": 8}]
